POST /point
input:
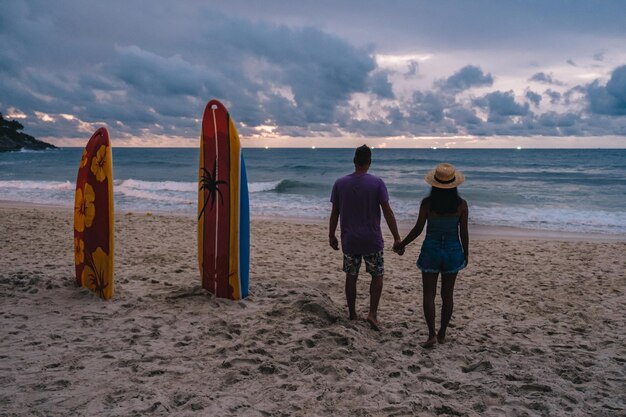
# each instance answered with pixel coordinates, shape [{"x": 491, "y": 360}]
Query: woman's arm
[
  {"x": 463, "y": 232},
  {"x": 419, "y": 225}
]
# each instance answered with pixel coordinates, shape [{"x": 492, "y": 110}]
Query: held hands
[{"x": 398, "y": 247}]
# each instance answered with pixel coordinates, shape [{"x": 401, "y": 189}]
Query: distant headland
[{"x": 11, "y": 139}]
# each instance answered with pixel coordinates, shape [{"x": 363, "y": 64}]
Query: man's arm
[
  {"x": 391, "y": 222},
  {"x": 332, "y": 227}
]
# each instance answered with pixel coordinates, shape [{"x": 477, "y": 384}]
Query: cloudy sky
[{"x": 390, "y": 73}]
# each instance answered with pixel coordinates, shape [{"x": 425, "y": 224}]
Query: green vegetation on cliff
[{"x": 11, "y": 139}]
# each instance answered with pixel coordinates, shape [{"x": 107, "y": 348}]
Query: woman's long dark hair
[{"x": 444, "y": 200}]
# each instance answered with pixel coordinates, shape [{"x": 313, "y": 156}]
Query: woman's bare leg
[
  {"x": 447, "y": 303},
  {"x": 429, "y": 283}
]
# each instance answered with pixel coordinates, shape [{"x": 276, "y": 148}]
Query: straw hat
[{"x": 444, "y": 176}]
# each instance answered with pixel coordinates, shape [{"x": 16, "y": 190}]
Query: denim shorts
[
  {"x": 374, "y": 263},
  {"x": 445, "y": 256}
]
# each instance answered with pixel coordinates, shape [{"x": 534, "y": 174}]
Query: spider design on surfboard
[{"x": 209, "y": 183}]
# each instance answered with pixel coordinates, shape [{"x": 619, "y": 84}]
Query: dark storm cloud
[
  {"x": 149, "y": 73},
  {"x": 467, "y": 77},
  {"x": 553, "y": 119},
  {"x": 319, "y": 70},
  {"x": 439, "y": 112},
  {"x": 501, "y": 104},
  {"x": 151, "y": 70},
  {"x": 153, "y": 81},
  {"x": 426, "y": 108},
  {"x": 379, "y": 84},
  {"x": 616, "y": 86},
  {"x": 463, "y": 116},
  {"x": 542, "y": 77},
  {"x": 323, "y": 73},
  {"x": 554, "y": 96},
  {"x": 285, "y": 112},
  {"x": 533, "y": 97},
  {"x": 611, "y": 98}
]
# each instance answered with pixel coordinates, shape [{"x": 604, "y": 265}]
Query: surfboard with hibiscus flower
[
  {"x": 93, "y": 217},
  {"x": 223, "y": 207}
]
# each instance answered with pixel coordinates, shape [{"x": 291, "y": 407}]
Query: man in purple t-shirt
[{"x": 357, "y": 200}]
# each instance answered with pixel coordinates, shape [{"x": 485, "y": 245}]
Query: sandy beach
[{"x": 538, "y": 328}]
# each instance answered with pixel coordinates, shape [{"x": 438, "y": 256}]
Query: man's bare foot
[
  {"x": 373, "y": 323},
  {"x": 441, "y": 338},
  {"x": 432, "y": 341}
]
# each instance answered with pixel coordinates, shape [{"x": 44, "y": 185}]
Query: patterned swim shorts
[{"x": 374, "y": 264}]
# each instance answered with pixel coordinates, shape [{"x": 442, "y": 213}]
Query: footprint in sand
[
  {"x": 414, "y": 369},
  {"x": 477, "y": 367}
]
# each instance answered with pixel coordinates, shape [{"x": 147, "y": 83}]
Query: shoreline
[
  {"x": 197, "y": 146},
  {"x": 477, "y": 231}
]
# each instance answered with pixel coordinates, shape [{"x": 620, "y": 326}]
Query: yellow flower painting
[
  {"x": 83, "y": 160},
  {"x": 95, "y": 274},
  {"x": 79, "y": 251},
  {"x": 84, "y": 208},
  {"x": 98, "y": 164}
]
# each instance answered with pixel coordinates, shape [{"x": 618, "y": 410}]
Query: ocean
[{"x": 576, "y": 190}]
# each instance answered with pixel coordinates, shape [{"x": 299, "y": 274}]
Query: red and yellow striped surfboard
[{"x": 223, "y": 208}]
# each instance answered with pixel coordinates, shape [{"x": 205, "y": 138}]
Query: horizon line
[{"x": 351, "y": 147}]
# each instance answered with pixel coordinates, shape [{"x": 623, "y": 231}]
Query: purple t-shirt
[{"x": 358, "y": 197}]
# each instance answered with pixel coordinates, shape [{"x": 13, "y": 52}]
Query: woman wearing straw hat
[{"x": 446, "y": 245}]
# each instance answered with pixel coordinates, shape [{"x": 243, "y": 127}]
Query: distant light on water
[
  {"x": 312, "y": 147},
  {"x": 267, "y": 147},
  {"x": 434, "y": 147},
  {"x": 518, "y": 148}
]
